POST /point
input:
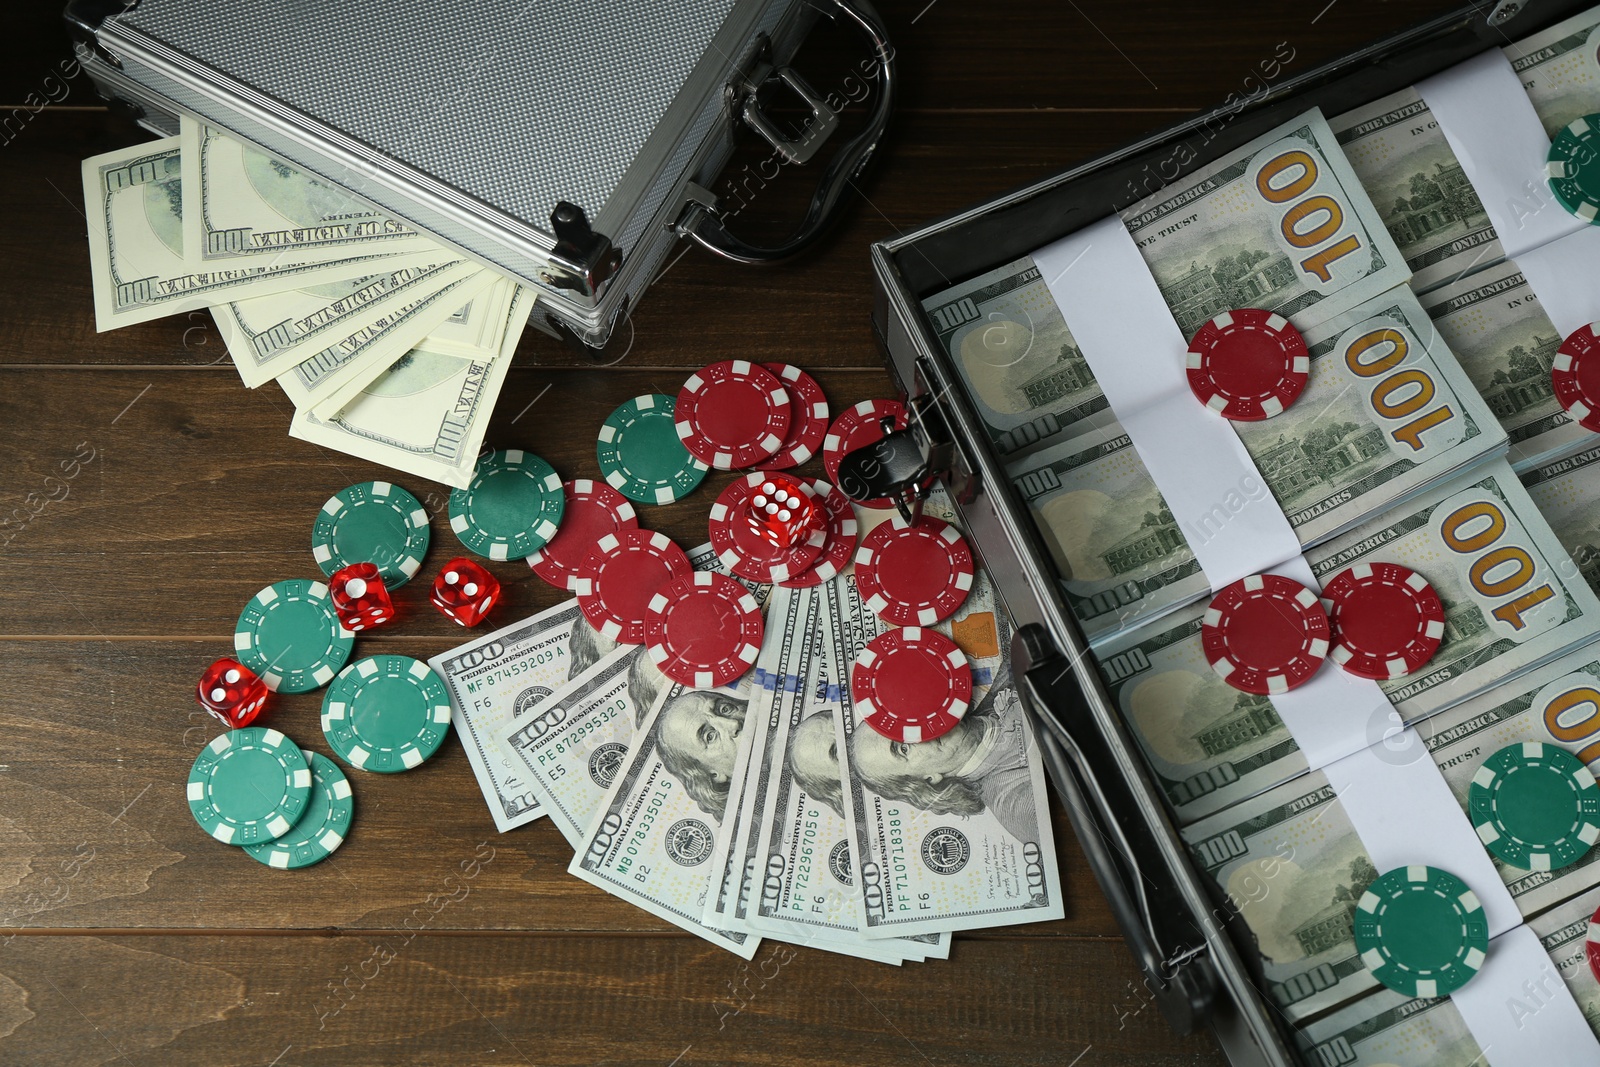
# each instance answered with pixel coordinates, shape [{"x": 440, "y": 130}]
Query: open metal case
[
  {"x": 569, "y": 144},
  {"x": 1195, "y": 954}
]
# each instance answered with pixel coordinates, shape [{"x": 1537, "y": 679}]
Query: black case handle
[{"x": 702, "y": 224}]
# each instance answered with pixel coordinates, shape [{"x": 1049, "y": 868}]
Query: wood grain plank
[
  {"x": 395, "y": 998},
  {"x": 195, "y": 497},
  {"x": 95, "y": 830}
]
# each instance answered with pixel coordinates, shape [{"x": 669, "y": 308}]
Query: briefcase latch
[
  {"x": 907, "y": 461},
  {"x": 582, "y": 260}
]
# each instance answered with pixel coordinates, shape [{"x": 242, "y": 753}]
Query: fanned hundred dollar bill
[
  {"x": 951, "y": 834},
  {"x": 1211, "y": 746},
  {"x": 247, "y": 206},
  {"x": 355, "y": 360},
  {"x": 1387, "y": 411},
  {"x": 653, "y": 837},
  {"x": 1389, "y": 1029},
  {"x": 427, "y": 414},
  {"x": 134, "y": 206},
  {"x": 1291, "y": 864},
  {"x": 1506, "y": 343},
  {"x": 504, "y": 677},
  {"x": 266, "y": 335}
]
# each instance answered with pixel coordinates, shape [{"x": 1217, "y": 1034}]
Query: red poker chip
[
  {"x": 1248, "y": 365},
  {"x": 839, "y": 538},
  {"x": 593, "y": 510},
  {"x": 857, "y": 428},
  {"x": 808, "y": 418},
  {"x": 1592, "y": 944},
  {"x": 745, "y": 552},
  {"x": 618, "y": 577},
  {"x": 1386, "y": 620},
  {"x": 914, "y": 575},
  {"x": 704, "y": 630},
  {"x": 911, "y": 684},
  {"x": 1265, "y": 634},
  {"x": 732, "y": 414},
  {"x": 1575, "y": 373}
]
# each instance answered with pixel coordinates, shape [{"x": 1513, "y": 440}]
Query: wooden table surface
[{"x": 128, "y": 936}]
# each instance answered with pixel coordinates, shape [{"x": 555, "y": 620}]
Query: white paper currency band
[
  {"x": 1118, "y": 318},
  {"x": 1485, "y": 114},
  {"x": 1520, "y": 1011},
  {"x": 1496, "y": 135},
  {"x": 1404, "y": 812}
]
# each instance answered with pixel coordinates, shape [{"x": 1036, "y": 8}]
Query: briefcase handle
[{"x": 702, "y": 222}]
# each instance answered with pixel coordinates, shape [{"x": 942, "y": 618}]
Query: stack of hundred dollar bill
[
  {"x": 760, "y": 809},
  {"x": 1269, "y": 831},
  {"x": 391, "y": 346}
]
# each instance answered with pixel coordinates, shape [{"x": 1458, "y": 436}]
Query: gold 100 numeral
[
  {"x": 1323, "y": 211},
  {"x": 1474, "y": 530},
  {"x": 1401, "y": 394}
]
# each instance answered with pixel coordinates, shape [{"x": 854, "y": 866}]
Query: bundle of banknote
[
  {"x": 1389, "y": 1029},
  {"x": 1337, "y": 457},
  {"x": 391, "y": 346},
  {"x": 759, "y": 809}
]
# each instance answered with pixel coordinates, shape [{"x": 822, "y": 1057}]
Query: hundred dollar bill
[
  {"x": 1008, "y": 341},
  {"x": 427, "y": 413},
  {"x": 266, "y": 335},
  {"x": 353, "y": 361},
  {"x": 1280, "y": 223},
  {"x": 248, "y": 206},
  {"x": 656, "y": 829},
  {"x": 1291, "y": 864},
  {"x": 1505, "y": 342},
  {"x": 1560, "y": 69},
  {"x": 573, "y": 744},
  {"x": 950, "y": 834},
  {"x": 1389, "y": 1029},
  {"x": 479, "y": 328},
  {"x": 804, "y": 889},
  {"x": 503, "y": 677},
  {"x": 568, "y": 751},
  {"x": 1428, "y": 205},
  {"x": 778, "y": 674},
  {"x": 1211, "y": 746},
  {"x": 1386, "y": 412},
  {"x": 134, "y": 206},
  {"x": 1567, "y": 492}
]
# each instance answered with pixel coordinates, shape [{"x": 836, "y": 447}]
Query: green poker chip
[
  {"x": 323, "y": 826},
  {"x": 512, "y": 506},
  {"x": 641, "y": 455},
  {"x": 386, "y": 713},
  {"x": 249, "y": 785},
  {"x": 1421, "y": 931},
  {"x": 374, "y": 522},
  {"x": 1573, "y": 167},
  {"x": 1535, "y": 806},
  {"x": 291, "y": 636}
]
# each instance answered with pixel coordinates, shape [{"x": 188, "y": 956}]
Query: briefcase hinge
[{"x": 582, "y": 260}]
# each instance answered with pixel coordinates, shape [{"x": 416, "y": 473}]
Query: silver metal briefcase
[{"x": 568, "y": 144}]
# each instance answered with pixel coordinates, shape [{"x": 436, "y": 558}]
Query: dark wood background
[{"x": 127, "y": 936}]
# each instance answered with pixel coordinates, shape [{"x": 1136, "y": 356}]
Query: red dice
[
  {"x": 231, "y": 691},
  {"x": 465, "y": 591},
  {"x": 360, "y": 597},
  {"x": 782, "y": 513}
]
